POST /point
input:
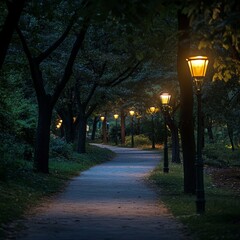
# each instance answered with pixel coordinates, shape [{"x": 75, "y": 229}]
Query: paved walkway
[{"x": 107, "y": 202}]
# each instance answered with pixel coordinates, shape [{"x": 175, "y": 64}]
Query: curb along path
[{"x": 107, "y": 202}]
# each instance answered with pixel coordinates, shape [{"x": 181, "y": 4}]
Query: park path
[{"x": 107, "y": 202}]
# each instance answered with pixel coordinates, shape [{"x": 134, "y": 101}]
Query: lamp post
[
  {"x": 116, "y": 135},
  {"x": 102, "y": 118},
  {"x": 165, "y": 99},
  {"x": 152, "y": 111},
  {"x": 198, "y": 66},
  {"x": 131, "y": 112}
]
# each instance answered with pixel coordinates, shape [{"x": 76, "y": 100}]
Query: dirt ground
[{"x": 226, "y": 178}]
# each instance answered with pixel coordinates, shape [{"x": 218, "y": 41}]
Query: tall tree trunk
[
  {"x": 82, "y": 131},
  {"x": 69, "y": 130},
  {"x": 15, "y": 8},
  {"x": 175, "y": 140},
  {"x": 186, "y": 114},
  {"x": 123, "y": 132},
  {"x": 95, "y": 121},
  {"x": 209, "y": 129},
  {"x": 41, "y": 154},
  {"x": 104, "y": 130}
]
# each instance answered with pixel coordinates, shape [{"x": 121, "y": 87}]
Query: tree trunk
[
  {"x": 104, "y": 131},
  {"x": 69, "y": 129},
  {"x": 209, "y": 129},
  {"x": 14, "y": 12},
  {"x": 186, "y": 113},
  {"x": 41, "y": 154},
  {"x": 175, "y": 145},
  {"x": 230, "y": 134},
  {"x": 82, "y": 131},
  {"x": 94, "y": 129},
  {"x": 123, "y": 132}
]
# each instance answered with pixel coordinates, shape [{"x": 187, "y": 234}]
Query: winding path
[{"x": 107, "y": 202}]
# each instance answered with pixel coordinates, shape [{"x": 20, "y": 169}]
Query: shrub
[
  {"x": 139, "y": 141},
  {"x": 221, "y": 156},
  {"x": 60, "y": 148}
]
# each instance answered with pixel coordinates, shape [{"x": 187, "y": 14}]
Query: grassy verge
[
  {"x": 222, "y": 217},
  {"x": 23, "y": 188}
]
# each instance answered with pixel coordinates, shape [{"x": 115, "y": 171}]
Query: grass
[
  {"x": 222, "y": 215},
  {"x": 23, "y": 188}
]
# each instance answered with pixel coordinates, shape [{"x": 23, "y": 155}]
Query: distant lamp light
[
  {"x": 165, "y": 98},
  {"x": 131, "y": 112},
  {"x": 152, "y": 110},
  {"x": 116, "y": 116},
  {"x": 102, "y": 118}
]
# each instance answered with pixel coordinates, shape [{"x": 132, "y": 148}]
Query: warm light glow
[
  {"x": 131, "y": 112},
  {"x": 102, "y": 118},
  {"x": 116, "y": 116},
  {"x": 198, "y": 66},
  {"x": 59, "y": 123},
  {"x": 165, "y": 98},
  {"x": 74, "y": 119},
  {"x": 152, "y": 110}
]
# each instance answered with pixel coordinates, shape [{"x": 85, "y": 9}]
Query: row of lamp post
[{"x": 198, "y": 67}]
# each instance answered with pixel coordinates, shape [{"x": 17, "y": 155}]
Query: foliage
[
  {"x": 221, "y": 218},
  {"x": 221, "y": 155},
  {"x": 59, "y": 147},
  {"x": 139, "y": 141},
  {"x": 214, "y": 27}
]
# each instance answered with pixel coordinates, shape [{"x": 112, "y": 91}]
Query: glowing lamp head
[
  {"x": 102, "y": 118},
  {"x": 116, "y": 116},
  {"x": 131, "y": 112},
  {"x": 198, "y": 66},
  {"x": 165, "y": 98},
  {"x": 152, "y": 110}
]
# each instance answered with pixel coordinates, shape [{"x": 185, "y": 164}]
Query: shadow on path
[{"x": 107, "y": 202}]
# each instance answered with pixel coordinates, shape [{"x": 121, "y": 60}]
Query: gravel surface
[{"x": 107, "y": 202}]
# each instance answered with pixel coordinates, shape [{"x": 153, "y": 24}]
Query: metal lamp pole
[
  {"x": 152, "y": 111},
  {"x": 132, "y": 115},
  {"x": 116, "y": 134},
  {"x": 198, "y": 67},
  {"x": 165, "y": 99}
]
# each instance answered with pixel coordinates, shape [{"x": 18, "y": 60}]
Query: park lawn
[
  {"x": 222, "y": 215},
  {"x": 24, "y": 189}
]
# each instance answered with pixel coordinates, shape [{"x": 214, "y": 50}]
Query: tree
[
  {"x": 46, "y": 101},
  {"x": 186, "y": 114}
]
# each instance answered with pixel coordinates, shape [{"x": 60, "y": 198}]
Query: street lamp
[
  {"x": 198, "y": 67},
  {"x": 165, "y": 99},
  {"x": 152, "y": 111},
  {"x": 131, "y": 112},
  {"x": 102, "y": 118},
  {"x": 116, "y": 136}
]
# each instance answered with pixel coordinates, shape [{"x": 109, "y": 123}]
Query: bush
[
  {"x": 221, "y": 156},
  {"x": 60, "y": 148},
  {"x": 139, "y": 141}
]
